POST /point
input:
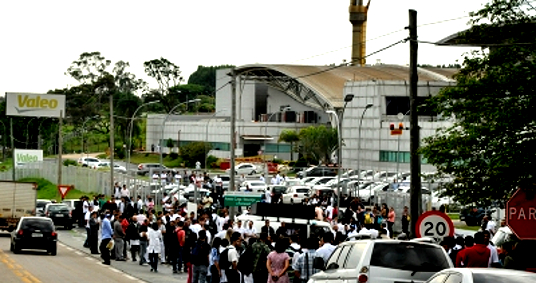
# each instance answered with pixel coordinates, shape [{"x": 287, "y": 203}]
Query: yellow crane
[{"x": 358, "y": 18}]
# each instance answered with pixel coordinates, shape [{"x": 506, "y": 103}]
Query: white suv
[
  {"x": 88, "y": 161},
  {"x": 382, "y": 261}
]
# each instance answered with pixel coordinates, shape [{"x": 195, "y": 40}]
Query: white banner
[
  {"x": 34, "y": 104},
  {"x": 28, "y": 155}
]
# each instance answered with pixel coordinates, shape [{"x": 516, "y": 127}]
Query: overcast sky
[{"x": 41, "y": 38}]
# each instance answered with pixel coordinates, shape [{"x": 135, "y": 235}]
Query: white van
[
  {"x": 310, "y": 226},
  {"x": 382, "y": 261}
]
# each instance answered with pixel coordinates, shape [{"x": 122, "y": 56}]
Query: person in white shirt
[
  {"x": 163, "y": 178},
  {"x": 329, "y": 212},
  {"x": 250, "y": 231},
  {"x": 491, "y": 226},
  {"x": 155, "y": 177},
  {"x": 238, "y": 228},
  {"x": 278, "y": 179},
  {"x": 140, "y": 204},
  {"x": 198, "y": 226},
  {"x": 177, "y": 178},
  {"x": 233, "y": 256},
  {"x": 261, "y": 178},
  {"x": 493, "y": 256},
  {"x": 327, "y": 248},
  {"x": 87, "y": 216},
  {"x": 125, "y": 192},
  {"x": 268, "y": 196}
]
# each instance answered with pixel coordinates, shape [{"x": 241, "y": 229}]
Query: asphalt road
[{"x": 73, "y": 263}]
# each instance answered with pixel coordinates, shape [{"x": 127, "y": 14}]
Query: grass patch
[
  {"x": 154, "y": 158},
  {"x": 8, "y": 164},
  {"x": 454, "y": 216},
  {"x": 48, "y": 190}
]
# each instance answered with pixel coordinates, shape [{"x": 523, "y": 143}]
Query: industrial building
[{"x": 297, "y": 96}]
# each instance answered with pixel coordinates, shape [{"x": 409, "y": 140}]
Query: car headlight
[{"x": 311, "y": 281}]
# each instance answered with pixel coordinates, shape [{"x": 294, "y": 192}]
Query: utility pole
[
  {"x": 415, "y": 162},
  {"x": 60, "y": 146},
  {"x": 13, "y": 163},
  {"x": 111, "y": 143},
  {"x": 233, "y": 210}
]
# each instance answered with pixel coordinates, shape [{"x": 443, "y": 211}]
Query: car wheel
[
  {"x": 291, "y": 201},
  {"x": 53, "y": 250},
  {"x": 252, "y": 172},
  {"x": 11, "y": 247},
  {"x": 69, "y": 227}
]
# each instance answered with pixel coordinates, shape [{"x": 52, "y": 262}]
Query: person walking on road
[
  {"x": 119, "y": 235},
  {"x": 200, "y": 258},
  {"x": 94, "y": 233},
  {"x": 391, "y": 221},
  {"x": 106, "y": 237},
  {"x": 155, "y": 246},
  {"x": 143, "y": 242}
]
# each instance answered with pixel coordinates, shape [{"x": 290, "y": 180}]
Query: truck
[{"x": 17, "y": 199}]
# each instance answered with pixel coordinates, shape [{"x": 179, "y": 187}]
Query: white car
[
  {"x": 244, "y": 168},
  {"x": 117, "y": 167},
  {"x": 88, "y": 161},
  {"x": 477, "y": 275},
  {"x": 255, "y": 186},
  {"x": 367, "y": 194},
  {"x": 296, "y": 194},
  {"x": 292, "y": 182},
  {"x": 318, "y": 181},
  {"x": 385, "y": 176}
]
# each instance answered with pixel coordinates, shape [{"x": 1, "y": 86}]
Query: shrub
[
  {"x": 277, "y": 161},
  {"x": 102, "y": 156},
  {"x": 291, "y": 163},
  {"x": 164, "y": 155},
  {"x": 211, "y": 161},
  {"x": 173, "y": 155},
  {"x": 193, "y": 152},
  {"x": 69, "y": 162},
  {"x": 119, "y": 152},
  {"x": 147, "y": 154}
]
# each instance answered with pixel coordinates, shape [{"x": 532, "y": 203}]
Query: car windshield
[
  {"x": 41, "y": 203},
  {"x": 303, "y": 191},
  {"x": 58, "y": 207},
  {"x": 37, "y": 224},
  {"x": 225, "y": 178},
  {"x": 257, "y": 184},
  {"x": 502, "y": 278},
  {"x": 409, "y": 256}
]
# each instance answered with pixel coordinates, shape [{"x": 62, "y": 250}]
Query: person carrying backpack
[
  {"x": 200, "y": 254},
  {"x": 229, "y": 259}
]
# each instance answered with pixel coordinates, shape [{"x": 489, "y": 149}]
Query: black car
[
  {"x": 473, "y": 216},
  {"x": 61, "y": 215},
  {"x": 277, "y": 192},
  {"x": 145, "y": 168},
  {"x": 36, "y": 233},
  {"x": 320, "y": 171}
]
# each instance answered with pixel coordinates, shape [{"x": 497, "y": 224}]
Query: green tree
[
  {"x": 167, "y": 75},
  {"x": 206, "y": 77},
  {"x": 193, "y": 152},
  {"x": 489, "y": 149},
  {"x": 289, "y": 136},
  {"x": 318, "y": 143},
  {"x": 170, "y": 144}
]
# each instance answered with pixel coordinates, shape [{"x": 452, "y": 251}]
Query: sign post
[
  {"x": 64, "y": 189},
  {"x": 434, "y": 224},
  {"x": 521, "y": 214}
]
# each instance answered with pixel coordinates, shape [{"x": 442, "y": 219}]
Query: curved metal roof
[{"x": 323, "y": 86}]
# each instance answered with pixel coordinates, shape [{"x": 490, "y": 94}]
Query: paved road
[{"x": 74, "y": 263}]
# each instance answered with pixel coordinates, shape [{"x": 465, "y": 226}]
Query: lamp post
[
  {"x": 83, "y": 130},
  {"x": 286, "y": 108},
  {"x": 339, "y": 140},
  {"x": 162, "y": 137},
  {"x": 206, "y": 136},
  {"x": 359, "y": 149},
  {"x": 400, "y": 117},
  {"x": 28, "y": 130},
  {"x": 130, "y": 126}
]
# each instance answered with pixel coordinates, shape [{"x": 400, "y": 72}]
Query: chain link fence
[{"x": 398, "y": 201}]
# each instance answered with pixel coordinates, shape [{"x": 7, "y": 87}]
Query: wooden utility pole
[
  {"x": 60, "y": 146},
  {"x": 112, "y": 144},
  {"x": 415, "y": 161}
]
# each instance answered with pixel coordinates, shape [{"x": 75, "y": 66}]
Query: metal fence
[
  {"x": 82, "y": 178},
  {"x": 398, "y": 201}
]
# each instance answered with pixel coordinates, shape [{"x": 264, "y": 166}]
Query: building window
[
  {"x": 403, "y": 157},
  {"x": 277, "y": 148},
  {"x": 400, "y": 104}
]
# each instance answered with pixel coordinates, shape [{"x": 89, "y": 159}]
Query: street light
[
  {"x": 338, "y": 157},
  {"x": 83, "y": 129},
  {"x": 130, "y": 132},
  {"x": 400, "y": 117},
  {"x": 284, "y": 108},
  {"x": 28, "y": 130},
  {"x": 206, "y": 137},
  {"x": 359, "y": 149},
  {"x": 162, "y": 137}
]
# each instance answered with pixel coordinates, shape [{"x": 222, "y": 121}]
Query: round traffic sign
[{"x": 434, "y": 224}]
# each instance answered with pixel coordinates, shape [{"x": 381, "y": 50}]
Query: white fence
[
  {"x": 83, "y": 178},
  {"x": 398, "y": 201}
]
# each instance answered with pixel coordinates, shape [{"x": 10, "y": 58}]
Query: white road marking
[
  {"x": 69, "y": 249},
  {"x": 90, "y": 258},
  {"x": 114, "y": 270},
  {"x": 79, "y": 253},
  {"x": 130, "y": 277}
]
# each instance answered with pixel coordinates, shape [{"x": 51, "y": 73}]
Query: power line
[{"x": 483, "y": 44}]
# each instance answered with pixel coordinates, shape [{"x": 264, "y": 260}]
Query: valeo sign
[
  {"x": 35, "y": 105},
  {"x": 28, "y": 155}
]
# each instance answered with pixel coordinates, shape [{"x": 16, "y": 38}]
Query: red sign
[
  {"x": 396, "y": 132},
  {"x": 521, "y": 215},
  {"x": 434, "y": 224},
  {"x": 64, "y": 189}
]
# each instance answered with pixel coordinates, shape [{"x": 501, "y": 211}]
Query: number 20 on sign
[{"x": 434, "y": 224}]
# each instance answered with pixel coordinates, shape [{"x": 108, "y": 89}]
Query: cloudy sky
[{"x": 41, "y": 38}]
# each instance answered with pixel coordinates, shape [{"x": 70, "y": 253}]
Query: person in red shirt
[
  {"x": 181, "y": 235},
  {"x": 476, "y": 256}
]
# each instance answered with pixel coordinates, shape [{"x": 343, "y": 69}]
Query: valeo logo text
[
  {"x": 24, "y": 101},
  {"x": 24, "y": 157}
]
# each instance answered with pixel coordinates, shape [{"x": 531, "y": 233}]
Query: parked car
[
  {"x": 481, "y": 275},
  {"x": 385, "y": 176},
  {"x": 292, "y": 182},
  {"x": 318, "y": 181},
  {"x": 255, "y": 186},
  {"x": 382, "y": 261},
  {"x": 277, "y": 191},
  {"x": 40, "y": 206},
  {"x": 244, "y": 168},
  {"x": 145, "y": 168},
  {"x": 60, "y": 213},
  {"x": 367, "y": 195},
  {"x": 318, "y": 171},
  {"x": 36, "y": 233},
  {"x": 225, "y": 179},
  {"x": 88, "y": 161},
  {"x": 472, "y": 216},
  {"x": 106, "y": 165},
  {"x": 296, "y": 194}
]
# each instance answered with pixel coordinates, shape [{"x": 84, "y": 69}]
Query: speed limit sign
[{"x": 434, "y": 224}]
